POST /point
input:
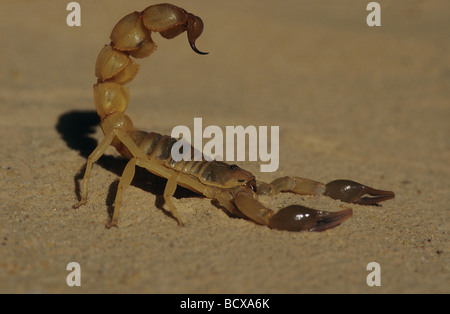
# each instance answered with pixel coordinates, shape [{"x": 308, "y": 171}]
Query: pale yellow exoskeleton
[{"x": 235, "y": 189}]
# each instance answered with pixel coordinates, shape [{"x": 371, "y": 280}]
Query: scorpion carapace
[{"x": 233, "y": 188}]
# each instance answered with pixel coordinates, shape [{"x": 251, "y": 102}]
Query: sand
[{"x": 369, "y": 104}]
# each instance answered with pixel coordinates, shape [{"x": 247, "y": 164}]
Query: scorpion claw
[
  {"x": 290, "y": 218},
  {"x": 353, "y": 192},
  {"x": 298, "y": 218}
]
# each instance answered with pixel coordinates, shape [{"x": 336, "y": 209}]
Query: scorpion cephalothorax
[{"x": 234, "y": 189}]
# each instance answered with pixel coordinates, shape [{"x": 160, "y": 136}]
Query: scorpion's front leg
[
  {"x": 344, "y": 190},
  {"x": 290, "y": 218}
]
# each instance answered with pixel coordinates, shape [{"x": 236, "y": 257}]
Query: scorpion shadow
[{"x": 75, "y": 128}]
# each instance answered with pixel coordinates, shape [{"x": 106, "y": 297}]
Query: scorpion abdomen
[{"x": 158, "y": 147}]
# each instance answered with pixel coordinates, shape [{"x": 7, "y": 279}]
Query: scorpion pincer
[{"x": 234, "y": 189}]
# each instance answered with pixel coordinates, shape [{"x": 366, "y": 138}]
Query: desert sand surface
[{"x": 370, "y": 104}]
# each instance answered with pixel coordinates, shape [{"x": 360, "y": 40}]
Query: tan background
[{"x": 368, "y": 104}]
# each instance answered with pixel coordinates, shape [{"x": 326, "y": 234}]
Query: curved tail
[{"x": 131, "y": 38}]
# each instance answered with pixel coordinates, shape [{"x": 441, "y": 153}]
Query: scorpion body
[
  {"x": 158, "y": 148},
  {"x": 234, "y": 189}
]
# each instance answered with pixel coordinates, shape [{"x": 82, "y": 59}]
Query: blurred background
[{"x": 352, "y": 101}]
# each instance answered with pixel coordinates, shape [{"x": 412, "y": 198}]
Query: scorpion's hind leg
[{"x": 290, "y": 218}]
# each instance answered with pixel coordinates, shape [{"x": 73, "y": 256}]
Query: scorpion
[{"x": 233, "y": 188}]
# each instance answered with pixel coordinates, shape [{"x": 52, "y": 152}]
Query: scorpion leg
[
  {"x": 93, "y": 157},
  {"x": 140, "y": 159},
  {"x": 354, "y": 192},
  {"x": 225, "y": 199},
  {"x": 125, "y": 180},
  {"x": 173, "y": 177},
  {"x": 171, "y": 186}
]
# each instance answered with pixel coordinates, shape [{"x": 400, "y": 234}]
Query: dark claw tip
[{"x": 198, "y": 51}]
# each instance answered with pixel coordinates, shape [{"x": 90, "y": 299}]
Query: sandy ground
[{"x": 351, "y": 101}]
